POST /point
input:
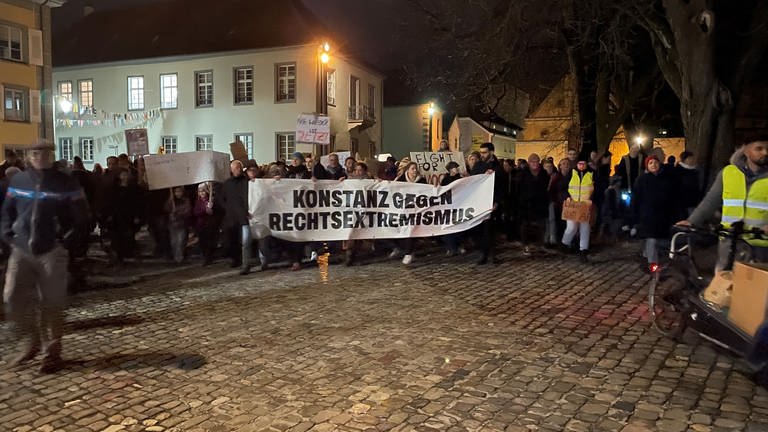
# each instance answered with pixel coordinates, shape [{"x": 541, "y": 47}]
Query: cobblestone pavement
[{"x": 541, "y": 343}]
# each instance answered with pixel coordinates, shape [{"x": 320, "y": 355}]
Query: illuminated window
[
  {"x": 169, "y": 91},
  {"x": 136, "y": 93}
]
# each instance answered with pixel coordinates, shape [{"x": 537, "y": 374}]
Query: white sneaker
[
  {"x": 407, "y": 259},
  {"x": 396, "y": 252}
]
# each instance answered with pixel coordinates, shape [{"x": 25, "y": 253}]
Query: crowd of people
[
  {"x": 50, "y": 212},
  {"x": 529, "y": 197}
]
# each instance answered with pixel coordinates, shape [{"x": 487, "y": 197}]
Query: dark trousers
[
  {"x": 207, "y": 240},
  {"x": 532, "y": 230}
]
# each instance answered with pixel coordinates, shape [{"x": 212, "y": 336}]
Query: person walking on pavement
[
  {"x": 741, "y": 189},
  {"x": 580, "y": 189},
  {"x": 655, "y": 206},
  {"x": 489, "y": 164},
  {"x": 533, "y": 203},
  {"x": 45, "y": 211},
  {"x": 234, "y": 198}
]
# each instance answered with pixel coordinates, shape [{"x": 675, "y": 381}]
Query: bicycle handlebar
[{"x": 734, "y": 231}]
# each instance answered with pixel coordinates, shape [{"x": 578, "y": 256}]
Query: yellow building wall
[
  {"x": 671, "y": 146},
  {"x": 16, "y": 134}
]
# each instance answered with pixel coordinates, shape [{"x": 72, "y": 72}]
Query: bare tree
[
  {"x": 482, "y": 50},
  {"x": 707, "y": 51}
]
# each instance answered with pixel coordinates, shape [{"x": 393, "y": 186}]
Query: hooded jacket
[
  {"x": 43, "y": 209},
  {"x": 713, "y": 201}
]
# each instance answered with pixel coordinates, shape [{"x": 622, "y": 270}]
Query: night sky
[{"x": 371, "y": 40}]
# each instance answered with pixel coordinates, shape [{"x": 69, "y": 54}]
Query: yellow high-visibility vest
[
  {"x": 581, "y": 188},
  {"x": 740, "y": 204}
]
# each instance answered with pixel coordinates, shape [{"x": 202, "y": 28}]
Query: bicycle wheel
[{"x": 667, "y": 303}]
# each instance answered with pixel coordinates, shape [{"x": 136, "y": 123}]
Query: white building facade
[{"x": 207, "y": 101}]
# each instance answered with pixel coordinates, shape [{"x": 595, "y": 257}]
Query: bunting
[{"x": 89, "y": 117}]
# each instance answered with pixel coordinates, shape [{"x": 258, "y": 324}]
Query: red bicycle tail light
[{"x": 654, "y": 267}]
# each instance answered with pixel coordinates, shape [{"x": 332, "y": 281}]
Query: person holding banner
[
  {"x": 237, "y": 233},
  {"x": 179, "y": 211},
  {"x": 405, "y": 246}
]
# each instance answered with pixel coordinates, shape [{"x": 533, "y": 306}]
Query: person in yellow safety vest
[
  {"x": 581, "y": 186},
  {"x": 741, "y": 190}
]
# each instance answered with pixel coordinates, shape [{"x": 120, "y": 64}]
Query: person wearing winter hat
[
  {"x": 655, "y": 206},
  {"x": 580, "y": 189}
]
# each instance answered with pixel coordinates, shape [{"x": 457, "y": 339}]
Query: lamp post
[
  {"x": 324, "y": 56},
  {"x": 431, "y": 112}
]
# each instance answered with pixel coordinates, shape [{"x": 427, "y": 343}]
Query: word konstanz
[{"x": 308, "y": 199}]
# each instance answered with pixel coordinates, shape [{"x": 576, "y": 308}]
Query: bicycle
[{"x": 674, "y": 300}]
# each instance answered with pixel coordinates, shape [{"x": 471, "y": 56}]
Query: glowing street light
[
  {"x": 640, "y": 139},
  {"x": 65, "y": 105}
]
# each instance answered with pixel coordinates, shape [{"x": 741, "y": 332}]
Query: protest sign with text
[
  {"x": 328, "y": 210},
  {"x": 434, "y": 162},
  {"x": 313, "y": 129},
  {"x": 179, "y": 169}
]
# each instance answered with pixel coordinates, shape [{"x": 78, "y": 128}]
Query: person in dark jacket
[
  {"x": 489, "y": 164},
  {"x": 11, "y": 160},
  {"x": 204, "y": 223},
  {"x": 690, "y": 182},
  {"x": 124, "y": 217},
  {"x": 298, "y": 169},
  {"x": 234, "y": 199},
  {"x": 655, "y": 206},
  {"x": 453, "y": 241},
  {"x": 533, "y": 202},
  {"x": 332, "y": 171},
  {"x": 558, "y": 193},
  {"x": 44, "y": 212}
]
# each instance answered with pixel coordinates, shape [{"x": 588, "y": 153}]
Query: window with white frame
[
  {"x": 169, "y": 91},
  {"x": 247, "y": 140},
  {"x": 285, "y": 82},
  {"x": 204, "y": 89},
  {"x": 86, "y": 149},
  {"x": 286, "y": 145},
  {"x": 10, "y": 42},
  {"x": 331, "y": 87},
  {"x": 203, "y": 142},
  {"x": 66, "y": 151},
  {"x": 135, "y": 93},
  {"x": 86, "y": 93},
  {"x": 65, "y": 90},
  {"x": 244, "y": 85},
  {"x": 15, "y": 104},
  {"x": 170, "y": 144}
]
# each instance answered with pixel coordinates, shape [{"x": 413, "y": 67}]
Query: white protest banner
[
  {"x": 179, "y": 169},
  {"x": 343, "y": 155},
  {"x": 313, "y": 129},
  {"x": 327, "y": 210},
  {"x": 434, "y": 162}
]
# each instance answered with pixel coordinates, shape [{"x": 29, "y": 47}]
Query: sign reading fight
[
  {"x": 179, "y": 169},
  {"x": 327, "y": 210},
  {"x": 434, "y": 162},
  {"x": 313, "y": 129}
]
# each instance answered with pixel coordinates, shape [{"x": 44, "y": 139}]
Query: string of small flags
[{"x": 103, "y": 118}]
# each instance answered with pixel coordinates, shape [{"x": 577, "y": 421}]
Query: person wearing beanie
[
  {"x": 655, "y": 206},
  {"x": 581, "y": 187}
]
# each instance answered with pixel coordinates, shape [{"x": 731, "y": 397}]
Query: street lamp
[
  {"x": 640, "y": 140},
  {"x": 324, "y": 56}
]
